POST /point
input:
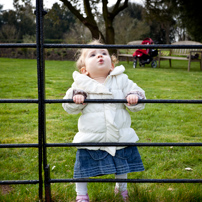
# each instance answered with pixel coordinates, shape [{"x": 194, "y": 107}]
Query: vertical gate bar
[
  {"x": 47, "y": 184},
  {"x": 41, "y": 89}
]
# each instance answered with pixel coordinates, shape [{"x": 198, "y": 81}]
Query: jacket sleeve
[
  {"x": 72, "y": 108},
  {"x": 130, "y": 87}
]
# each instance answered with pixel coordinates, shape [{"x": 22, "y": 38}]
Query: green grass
[{"x": 156, "y": 123}]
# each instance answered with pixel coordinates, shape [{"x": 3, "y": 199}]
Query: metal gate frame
[{"x": 41, "y": 102}]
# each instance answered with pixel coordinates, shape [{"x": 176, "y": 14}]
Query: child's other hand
[
  {"x": 78, "y": 99},
  {"x": 132, "y": 99}
]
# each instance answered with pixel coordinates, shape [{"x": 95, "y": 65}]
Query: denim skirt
[{"x": 90, "y": 163}]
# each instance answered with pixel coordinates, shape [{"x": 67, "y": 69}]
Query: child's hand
[
  {"x": 78, "y": 99},
  {"x": 132, "y": 99}
]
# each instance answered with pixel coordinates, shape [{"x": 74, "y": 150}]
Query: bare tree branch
[
  {"x": 73, "y": 10},
  {"x": 118, "y": 8}
]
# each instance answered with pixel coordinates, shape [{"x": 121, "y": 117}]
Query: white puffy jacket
[{"x": 104, "y": 122}]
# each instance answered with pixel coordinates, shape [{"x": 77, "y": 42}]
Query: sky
[{"x": 8, "y": 4}]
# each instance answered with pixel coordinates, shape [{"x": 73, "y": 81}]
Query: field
[{"x": 156, "y": 123}]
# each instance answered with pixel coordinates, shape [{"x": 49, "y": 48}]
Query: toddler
[{"x": 98, "y": 78}]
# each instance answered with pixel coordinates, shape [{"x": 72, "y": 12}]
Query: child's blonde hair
[{"x": 82, "y": 54}]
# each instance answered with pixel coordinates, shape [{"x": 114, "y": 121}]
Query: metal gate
[{"x": 45, "y": 181}]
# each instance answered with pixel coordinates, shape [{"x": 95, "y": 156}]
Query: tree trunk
[
  {"x": 110, "y": 35},
  {"x": 95, "y": 32},
  {"x": 90, "y": 22},
  {"x": 167, "y": 28},
  {"x": 110, "y": 32}
]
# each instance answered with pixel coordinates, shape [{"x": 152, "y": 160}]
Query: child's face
[{"x": 97, "y": 63}]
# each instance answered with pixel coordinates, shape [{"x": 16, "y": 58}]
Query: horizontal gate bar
[
  {"x": 18, "y": 45},
  {"x": 128, "y": 180},
  {"x": 112, "y": 144},
  {"x": 101, "y": 101},
  {"x": 19, "y": 182},
  {"x": 162, "y": 46},
  {"x": 125, "y": 101},
  {"x": 19, "y": 101},
  {"x": 18, "y": 145}
]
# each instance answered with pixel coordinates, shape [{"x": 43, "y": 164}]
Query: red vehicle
[{"x": 145, "y": 56}]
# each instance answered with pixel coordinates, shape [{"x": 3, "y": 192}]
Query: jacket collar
[
  {"x": 89, "y": 85},
  {"x": 118, "y": 70}
]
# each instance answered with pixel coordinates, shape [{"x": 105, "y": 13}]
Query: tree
[
  {"x": 8, "y": 33},
  {"x": 8, "y": 29},
  {"x": 57, "y": 22},
  {"x": 134, "y": 10},
  {"x": 9, "y": 18},
  {"x": 22, "y": 20},
  {"x": 26, "y": 20},
  {"x": 78, "y": 34},
  {"x": 1, "y": 13},
  {"x": 129, "y": 25},
  {"x": 162, "y": 13},
  {"x": 190, "y": 16},
  {"x": 88, "y": 16}
]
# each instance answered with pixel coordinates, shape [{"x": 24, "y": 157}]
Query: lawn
[{"x": 156, "y": 123}]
